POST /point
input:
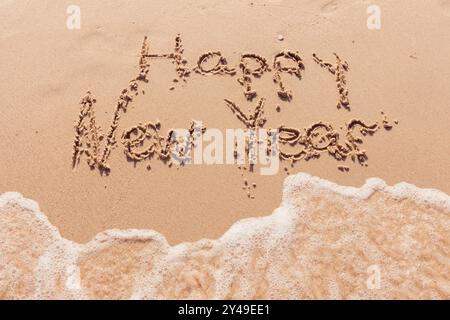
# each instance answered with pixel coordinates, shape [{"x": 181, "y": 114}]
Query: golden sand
[
  {"x": 349, "y": 102},
  {"x": 324, "y": 242}
]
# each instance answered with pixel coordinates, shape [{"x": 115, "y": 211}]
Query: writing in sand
[{"x": 146, "y": 140}]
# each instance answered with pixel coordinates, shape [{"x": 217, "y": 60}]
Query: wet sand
[
  {"x": 324, "y": 242},
  {"x": 396, "y": 77}
]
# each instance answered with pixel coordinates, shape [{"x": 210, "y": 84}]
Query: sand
[
  {"x": 325, "y": 241},
  {"x": 150, "y": 66}
]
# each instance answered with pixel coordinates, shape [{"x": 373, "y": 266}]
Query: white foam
[
  {"x": 401, "y": 190},
  {"x": 264, "y": 243}
]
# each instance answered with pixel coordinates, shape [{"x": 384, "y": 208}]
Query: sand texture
[
  {"x": 86, "y": 120},
  {"x": 324, "y": 242}
]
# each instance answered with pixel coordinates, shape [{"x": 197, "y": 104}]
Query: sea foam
[{"x": 324, "y": 241}]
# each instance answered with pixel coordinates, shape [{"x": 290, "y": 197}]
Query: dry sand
[{"x": 400, "y": 70}]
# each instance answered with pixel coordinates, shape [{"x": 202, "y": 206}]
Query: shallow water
[{"x": 324, "y": 241}]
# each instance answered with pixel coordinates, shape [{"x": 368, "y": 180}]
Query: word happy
[{"x": 254, "y": 144}]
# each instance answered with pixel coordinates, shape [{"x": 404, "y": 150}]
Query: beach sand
[
  {"x": 324, "y": 242},
  {"x": 398, "y": 74}
]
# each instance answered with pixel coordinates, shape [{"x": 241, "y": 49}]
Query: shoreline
[
  {"x": 343, "y": 90},
  {"x": 279, "y": 230}
]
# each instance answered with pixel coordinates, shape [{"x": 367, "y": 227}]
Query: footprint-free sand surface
[{"x": 350, "y": 103}]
